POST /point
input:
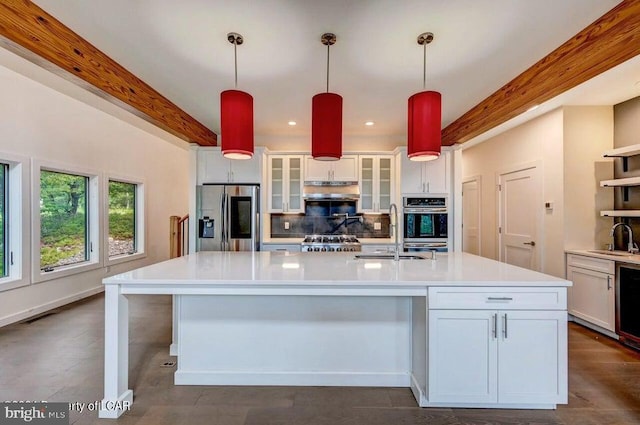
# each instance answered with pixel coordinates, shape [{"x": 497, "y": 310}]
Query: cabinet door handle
[
  {"x": 608, "y": 282},
  {"x": 505, "y": 327},
  {"x": 423, "y": 186},
  {"x": 494, "y": 319},
  {"x": 499, "y": 299},
  {"x": 428, "y": 187},
  {"x": 532, "y": 243}
]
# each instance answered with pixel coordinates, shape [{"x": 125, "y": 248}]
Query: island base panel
[{"x": 294, "y": 340}]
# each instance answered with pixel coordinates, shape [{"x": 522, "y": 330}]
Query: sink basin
[
  {"x": 614, "y": 253},
  {"x": 387, "y": 257}
]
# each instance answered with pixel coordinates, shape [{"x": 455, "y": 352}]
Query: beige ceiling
[{"x": 180, "y": 49}]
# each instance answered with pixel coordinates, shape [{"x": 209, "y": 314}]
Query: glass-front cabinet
[
  {"x": 285, "y": 183},
  {"x": 376, "y": 185}
]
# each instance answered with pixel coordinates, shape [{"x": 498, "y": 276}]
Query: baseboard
[
  {"x": 340, "y": 379},
  {"x": 42, "y": 308},
  {"x": 173, "y": 349},
  {"x": 418, "y": 394},
  {"x": 591, "y": 326}
]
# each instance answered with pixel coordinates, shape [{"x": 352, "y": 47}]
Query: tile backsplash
[{"x": 301, "y": 225}]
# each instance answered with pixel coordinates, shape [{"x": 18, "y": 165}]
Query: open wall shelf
[
  {"x": 620, "y": 213},
  {"x": 624, "y": 152},
  {"x": 630, "y": 181}
]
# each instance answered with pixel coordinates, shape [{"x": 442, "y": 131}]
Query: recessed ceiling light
[
  {"x": 533, "y": 108},
  {"x": 292, "y": 123},
  {"x": 369, "y": 123}
]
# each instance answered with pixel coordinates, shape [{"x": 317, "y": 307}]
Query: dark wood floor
[{"x": 60, "y": 358}]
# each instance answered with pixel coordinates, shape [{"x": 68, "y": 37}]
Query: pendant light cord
[
  {"x": 235, "y": 61},
  {"x": 424, "y": 67},
  {"x": 328, "y": 46}
]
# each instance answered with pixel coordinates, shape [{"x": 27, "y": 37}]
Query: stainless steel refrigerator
[{"x": 228, "y": 217}]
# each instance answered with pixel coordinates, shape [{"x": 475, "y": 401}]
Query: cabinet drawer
[
  {"x": 498, "y": 298},
  {"x": 281, "y": 247},
  {"x": 591, "y": 263}
]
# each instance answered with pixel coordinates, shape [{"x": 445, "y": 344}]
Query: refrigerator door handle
[
  {"x": 255, "y": 237},
  {"x": 227, "y": 218},
  {"x": 222, "y": 229}
]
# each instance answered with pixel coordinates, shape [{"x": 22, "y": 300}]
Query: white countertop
[
  {"x": 300, "y": 269},
  {"x": 619, "y": 256}
]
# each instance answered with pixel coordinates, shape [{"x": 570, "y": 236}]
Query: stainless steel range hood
[{"x": 331, "y": 190}]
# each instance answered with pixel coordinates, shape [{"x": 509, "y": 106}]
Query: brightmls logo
[
  {"x": 25, "y": 414},
  {"x": 34, "y": 413}
]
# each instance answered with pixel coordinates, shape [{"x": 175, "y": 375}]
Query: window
[
  {"x": 122, "y": 218},
  {"x": 63, "y": 219},
  {"x": 65, "y": 222},
  {"x": 124, "y": 226},
  {"x": 14, "y": 229},
  {"x": 4, "y": 234}
]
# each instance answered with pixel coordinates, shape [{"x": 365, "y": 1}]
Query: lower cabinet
[
  {"x": 497, "y": 347},
  {"x": 592, "y": 296},
  {"x": 494, "y": 356}
]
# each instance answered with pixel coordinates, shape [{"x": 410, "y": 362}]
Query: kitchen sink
[
  {"x": 614, "y": 253},
  {"x": 387, "y": 257}
]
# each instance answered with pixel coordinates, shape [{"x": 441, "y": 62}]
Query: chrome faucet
[
  {"x": 632, "y": 247},
  {"x": 394, "y": 226}
]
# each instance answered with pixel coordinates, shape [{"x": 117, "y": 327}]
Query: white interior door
[
  {"x": 471, "y": 216},
  {"x": 519, "y": 218}
]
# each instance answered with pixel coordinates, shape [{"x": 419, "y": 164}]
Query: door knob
[{"x": 532, "y": 243}]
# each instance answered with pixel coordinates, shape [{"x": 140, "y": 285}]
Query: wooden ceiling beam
[
  {"x": 31, "y": 32},
  {"x": 606, "y": 43}
]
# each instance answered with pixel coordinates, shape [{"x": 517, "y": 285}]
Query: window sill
[
  {"x": 8, "y": 283},
  {"x": 118, "y": 259},
  {"x": 40, "y": 276}
]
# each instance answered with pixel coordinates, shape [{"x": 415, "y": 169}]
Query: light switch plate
[
  {"x": 377, "y": 226},
  {"x": 286, "y": 225}
]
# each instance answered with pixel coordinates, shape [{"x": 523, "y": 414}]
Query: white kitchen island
[{"x": 461, "y": 331}]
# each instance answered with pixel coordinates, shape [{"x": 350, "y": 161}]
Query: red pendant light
[
  {"x": 236, "y": 115},
  {"x": 425, "y": 117},
  {"x": 326, "y": 118}
]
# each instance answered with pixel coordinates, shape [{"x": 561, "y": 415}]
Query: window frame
[
  {"x": 17, "y": 213},
  {"x": 94, "y": 212},
  {"x": 140, "y": 220}
]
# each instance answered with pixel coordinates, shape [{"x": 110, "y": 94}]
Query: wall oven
[
  {"x": 425, "y": 224},
  {"x": 627, "y": 305}
]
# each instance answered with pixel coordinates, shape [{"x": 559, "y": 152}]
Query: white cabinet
[
  {"x": 376, "y": 183},
  {"x": 282, "y": 247},
  {"x": 592, "y": 296},
  {"x": 285, "y": 183},
  {"x": 345, "y": 169},
  {"x": 512, "y": 354},
  {"x": 215, "y": 168},
  {"x": 425, "y": 176}
]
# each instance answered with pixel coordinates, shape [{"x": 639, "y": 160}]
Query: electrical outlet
[
  {"x": 286, "y": 225},
  {"x": 377, "y": 226}
]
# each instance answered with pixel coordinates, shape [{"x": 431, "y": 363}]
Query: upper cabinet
[
  {"x": 376, "y": 183},
  {"x": 425, "y": 176},
  {"x": 215, "y": 168},
  {"x": 344, "y": 169},
  {"x": 285, "y": 183}
]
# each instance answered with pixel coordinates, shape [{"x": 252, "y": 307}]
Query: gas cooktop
[{"x": 330, "y": 243}]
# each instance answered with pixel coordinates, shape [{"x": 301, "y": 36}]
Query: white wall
[
  {"x": 569, "y": 143},
  {"x": 588, "y": 132},
  {"x": 537, "y": 140},
  {"x": 42, "y": 123}
]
